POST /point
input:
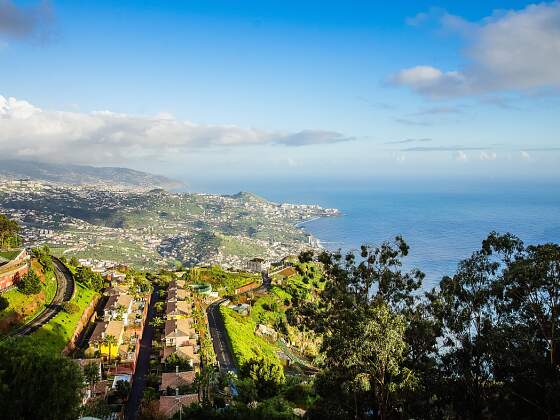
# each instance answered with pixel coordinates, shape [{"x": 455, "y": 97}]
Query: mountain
[{"x": 82, "y": 174}]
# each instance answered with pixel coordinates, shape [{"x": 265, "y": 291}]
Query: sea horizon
[{"x": 443, "y": 221}]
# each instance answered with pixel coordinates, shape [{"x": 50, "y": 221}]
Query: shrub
[
  {"x": 4, "y": 303},
  {"x": 70, "y": 307},
  {"x": 29, "y": 284}
]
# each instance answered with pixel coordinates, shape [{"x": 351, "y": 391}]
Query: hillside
[{"x": 84, "y": 175}]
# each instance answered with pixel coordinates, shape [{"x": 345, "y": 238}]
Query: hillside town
[{"x": 156, "y": 229}]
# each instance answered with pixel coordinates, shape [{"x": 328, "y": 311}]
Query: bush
[
  {"x": 29, "y": 284},
  {"x": 70, "y": 307},
  {"x": 4, "y": 303}
]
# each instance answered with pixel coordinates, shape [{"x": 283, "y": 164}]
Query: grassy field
[
  {"x": 224, "y": 282},
  {"x": 54, "y": 336},
  {"x": 245, "y": 343},
  {"x": 241, "y": 247}
]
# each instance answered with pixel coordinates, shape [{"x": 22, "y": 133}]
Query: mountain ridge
[{"x": 85, "y": 174}]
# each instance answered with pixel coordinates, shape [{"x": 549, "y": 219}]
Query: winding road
[
  {"x": 64, "y": 292},
  {"x": 222, "y": 346}
]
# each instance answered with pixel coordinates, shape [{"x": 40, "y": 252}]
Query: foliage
[
  {"x": 54, "y": 335},
  {"x": 9, "y": 233},
  {"x": 361, "y": 317},
  {"x": 54, "y": 394},
  {"x": 4, "y": 303},
  {"x": 267, "y": 376},
  {"x": 70, "y": 307},
  {"x": 174, "y": 360},
  {"x": 43, "y": 255},
  {"x": 30, "y": 284},
  {"x": 245, "y": 344},
  {"x": 88, "y": 278},
  {"x": 225, "y": 282}
]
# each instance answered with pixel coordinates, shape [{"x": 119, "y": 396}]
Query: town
[{"x": 156, "y": 229}]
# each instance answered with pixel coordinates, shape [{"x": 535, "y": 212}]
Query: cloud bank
[
  {"x": 27, "y": 131},
  {"x": 24, "y": 21},
  {"x": 516, "y": 50}
]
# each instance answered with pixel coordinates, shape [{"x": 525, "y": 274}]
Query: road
[
  {"x": 64, "y": 292},
  {"x": 220, "y": 341},
  {"x": 143, "y": 363}
]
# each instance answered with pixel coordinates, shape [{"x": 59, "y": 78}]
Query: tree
[
  {"x": 362, "y": 316},
  {"x": 267, "y": 376},
  {"x": 91, "y": 375},
  {"x": 30, "y": 284},
  {"x": 37, "y": 383},
  {"x": 110, "y": 341},
  {"x": 123, "y": 389},
  {"x": 157, "y": 322},
  {"x": 88, "y": 278},
  {"x": 9, "y": 233},
  {"x": 43, "y": 255}
]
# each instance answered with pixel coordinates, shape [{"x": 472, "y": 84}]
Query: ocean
[{"x": 443, "y": 221}]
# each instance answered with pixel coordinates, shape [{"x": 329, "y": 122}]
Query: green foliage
[
  {"x": 54, "y": 335},
  {"x": 37, "y": 384},
  {"x": 174, "y": 360},
  {"x": 43, "y": 255},
  {"x": 88, "y": 278},
  {"x": 9, "y": 233},
  {"x": 70, "y": 307},
  {"x": 225, "y": 282},
  {"x": 30, "y": 284},
  {"x": 245, "y": 344},
  {"x": 4, "y": 303},
  {"x": 268, "y": 376}
]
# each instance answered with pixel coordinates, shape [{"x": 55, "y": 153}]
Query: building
[
  {"x": 118, "y": 307},
  {"x": 170, "y": 405},
  {"x": 178, "y": 309},
  {"x": 102, "y": 330},
  {"x": 13, "y": 266},
  {"x": 176, "y": 380},
  {"x": 257, "y": 265},
  {"x": 179, "y": 332}
]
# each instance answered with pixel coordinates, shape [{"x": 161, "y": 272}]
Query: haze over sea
[{"x": 443, "y": 221}]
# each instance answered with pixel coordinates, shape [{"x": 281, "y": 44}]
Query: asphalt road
[
  {"x": 142, "y": 363},
  {"x": 64, "y": 291},
  {"x": 220, "y": 341},
  {"x": 219, "y": 338}
]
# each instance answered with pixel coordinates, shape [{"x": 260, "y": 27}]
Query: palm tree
[
  {"x": 110, "y": 341},
  {"x": 157, "y": 322},
  {"x": 91, "y": 374}
]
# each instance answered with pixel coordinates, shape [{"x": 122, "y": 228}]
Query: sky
[{"x": 284, "y": 89}]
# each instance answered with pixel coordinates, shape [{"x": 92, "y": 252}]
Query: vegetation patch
[
  {"x": 224, "y": 282},
  {"x": 246, "y": 345},
  {"x": 55, "y": 335}
]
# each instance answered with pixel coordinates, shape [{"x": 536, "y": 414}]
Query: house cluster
[
  {"x": 13, "y": 266},
  {"x": 180, "y": 338},
  {"x": 117, "y": 334}
]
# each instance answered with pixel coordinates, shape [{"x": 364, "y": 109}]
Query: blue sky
[{"x": 227, "y": 89}]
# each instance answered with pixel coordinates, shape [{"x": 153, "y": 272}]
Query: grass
[
  {"x": 55, "y": 335},
  {"x": 24, "y": 307},
  {"x": 224, "y": 282},
  {"x": 246, "y": 345},
  {"x": 241, "y": 247},
  {"x": 10, "y": 255}
]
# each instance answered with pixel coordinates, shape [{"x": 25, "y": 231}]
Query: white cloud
[
  {"x": 460, "y": 156},
  {"x": 488, "y": 155},
  {"x": 516, "y": 50},
  {"x": 525, "y": 155},
  {"x": 104, "y": 136}
]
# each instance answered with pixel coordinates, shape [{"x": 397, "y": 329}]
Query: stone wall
[{"x": 82, "y": 324}]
